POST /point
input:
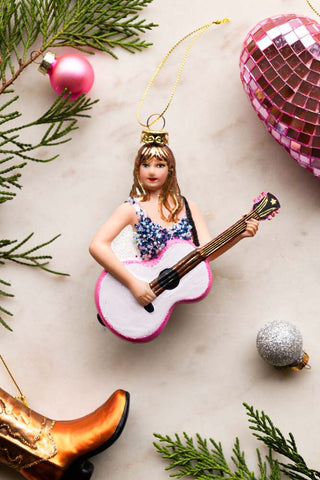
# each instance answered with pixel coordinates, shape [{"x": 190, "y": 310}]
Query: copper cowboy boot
[{"x": 44, "y": 449}]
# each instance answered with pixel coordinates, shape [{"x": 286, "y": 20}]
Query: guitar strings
[{"x": 228, "y": 235}]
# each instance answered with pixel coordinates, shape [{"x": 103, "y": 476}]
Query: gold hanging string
[
  {"x": 21, "y": 396},
  {"x": 199, "y": 31},
  {"x": 312, "y": 8}
]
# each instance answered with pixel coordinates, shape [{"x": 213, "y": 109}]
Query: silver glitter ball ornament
[{"x": 280, "y": 344}]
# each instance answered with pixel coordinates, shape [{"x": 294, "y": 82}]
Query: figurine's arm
[
  {"x": 204, "y": 234},
  {"x": 101, "y": 250}
]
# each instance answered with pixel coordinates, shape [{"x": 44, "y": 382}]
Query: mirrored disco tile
[
  {"x": 313, "y": 77},
  {"x": 295, "y": 23},
  {"x": 293, "y": 61},
  {"x": 286, "y": 119},
  {"x": 286, "y": 51},
  {"x": 270, "y": 91},
  {"x": 311, "y": 116},
  {"x": 297, "y": 124},
  {"x": 316, "y": 142},
  {"x": 277, "y": 83},
  {"x": 301, "y": 70},
  {"x": 286, "y": 92},
  {"x": 277, "y": 62},
  {"x": 305, "y": 87},
  {"x": 270, "y": 52},
  {"x": 257, "y": 54},
  {"x": 273, "y": 32},
  {"x": 257, "y": 33},
  {"x": 300, "y": 112},
  {"x": 262, "y": 82},
  {"x": 315, "y": 50},
  {"x": 264, "y": 43},
  {"x": 315, "y": 65},
  {"x": 278, "y": 100},
  {"x": 288, "y": 107},
  {"x": 294, "y": 81},
  {"x": 301, "y": 30},
  {"x": 316, "y": 154},
  {"x": 263, "y": 64},
  {"x": 271, "y": 74},
  {"x": 315, "y": 92},
  {"x": 306, "y": 151},
  {"x": 307, "y": 41},
  {"x": 285, "y": 72},
  {"x": 255, "y": 72},
  {"x": 298, "y": 47},
  {"x": 309, "y": 128},
  {"x": 315, "y": 163},
  {"x": 249, "y": 64},
  {"x": 280, "y": 41},
  {"x": 293, "y": 144},
  {"x": 304, "y": 138},
  {"x": 305, "y": 57},
  {"x": 291, "y": 38}
]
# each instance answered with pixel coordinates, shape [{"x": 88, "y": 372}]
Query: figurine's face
[{"x": 153, "y": 174}]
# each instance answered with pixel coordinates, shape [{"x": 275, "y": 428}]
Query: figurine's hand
[
  {"x": 252, "y": 228},
  {"x": 142, "y": 292}
]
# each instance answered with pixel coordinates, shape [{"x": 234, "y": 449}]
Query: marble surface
[{"x": 196, "y": 374}]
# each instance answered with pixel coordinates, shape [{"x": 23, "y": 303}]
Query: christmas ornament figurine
[
  {"x": 44, "y": 449},
  {"x": 280, "y": 72},
  {"x": 71, "y": 71},
  {"x": 280, "y": 344}
]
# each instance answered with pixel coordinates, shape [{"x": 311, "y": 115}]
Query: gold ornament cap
[
  {"x": 46, "y": 63},
  {"x": 154, "y": 137},
  {"x": 302, "y": 363}
]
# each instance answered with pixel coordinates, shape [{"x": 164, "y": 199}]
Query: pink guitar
[{"x": 123, "y": 315}]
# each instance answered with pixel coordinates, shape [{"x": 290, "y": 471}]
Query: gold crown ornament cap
[
  {"x": 154, "y": 137},
  {"x": 150, "y": 136},
  {"x": 47, "y": 62}
]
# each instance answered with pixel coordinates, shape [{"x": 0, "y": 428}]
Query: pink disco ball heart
[{"x": 280, "y": 72}]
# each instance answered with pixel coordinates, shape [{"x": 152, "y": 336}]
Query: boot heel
[{"x": 79, "y": 470}]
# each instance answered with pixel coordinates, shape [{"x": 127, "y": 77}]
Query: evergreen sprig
[
  {"x": 60, "y": 120},
  {"x": 4, "y": 311},
  {"x": 205, "y": 460},
  {"x": 209, "y": 463},
  {"x": 10, "y": 250},
  {"x": 271, "y": 436}
]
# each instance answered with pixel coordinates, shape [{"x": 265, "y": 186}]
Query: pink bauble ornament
[
  {"x": 280, "y": 72},
  {"x": 71, "y": 71}
]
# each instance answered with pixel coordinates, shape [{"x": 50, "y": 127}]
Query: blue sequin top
[{"x": 151, "y": 237}]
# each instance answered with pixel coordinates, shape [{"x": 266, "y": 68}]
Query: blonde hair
[{"x": 170, "y": 190}]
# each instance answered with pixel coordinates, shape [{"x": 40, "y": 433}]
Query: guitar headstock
[{"x": 266, "y": 205}]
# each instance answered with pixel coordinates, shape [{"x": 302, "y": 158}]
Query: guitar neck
[
  {"x": 227, "y": 236},
  {"x": 190, "y": 261}
]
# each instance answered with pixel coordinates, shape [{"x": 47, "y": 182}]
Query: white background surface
[{"x": 196, "y": 374}]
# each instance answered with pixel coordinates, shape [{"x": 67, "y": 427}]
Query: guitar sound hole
[{"x": 168, "y": 279}]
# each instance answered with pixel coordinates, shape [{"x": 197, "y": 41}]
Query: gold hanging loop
[
  {"x": 21, "y": 396},
  {"x": 197, "y": 33},
  {"x": 312, "y": 8}
]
